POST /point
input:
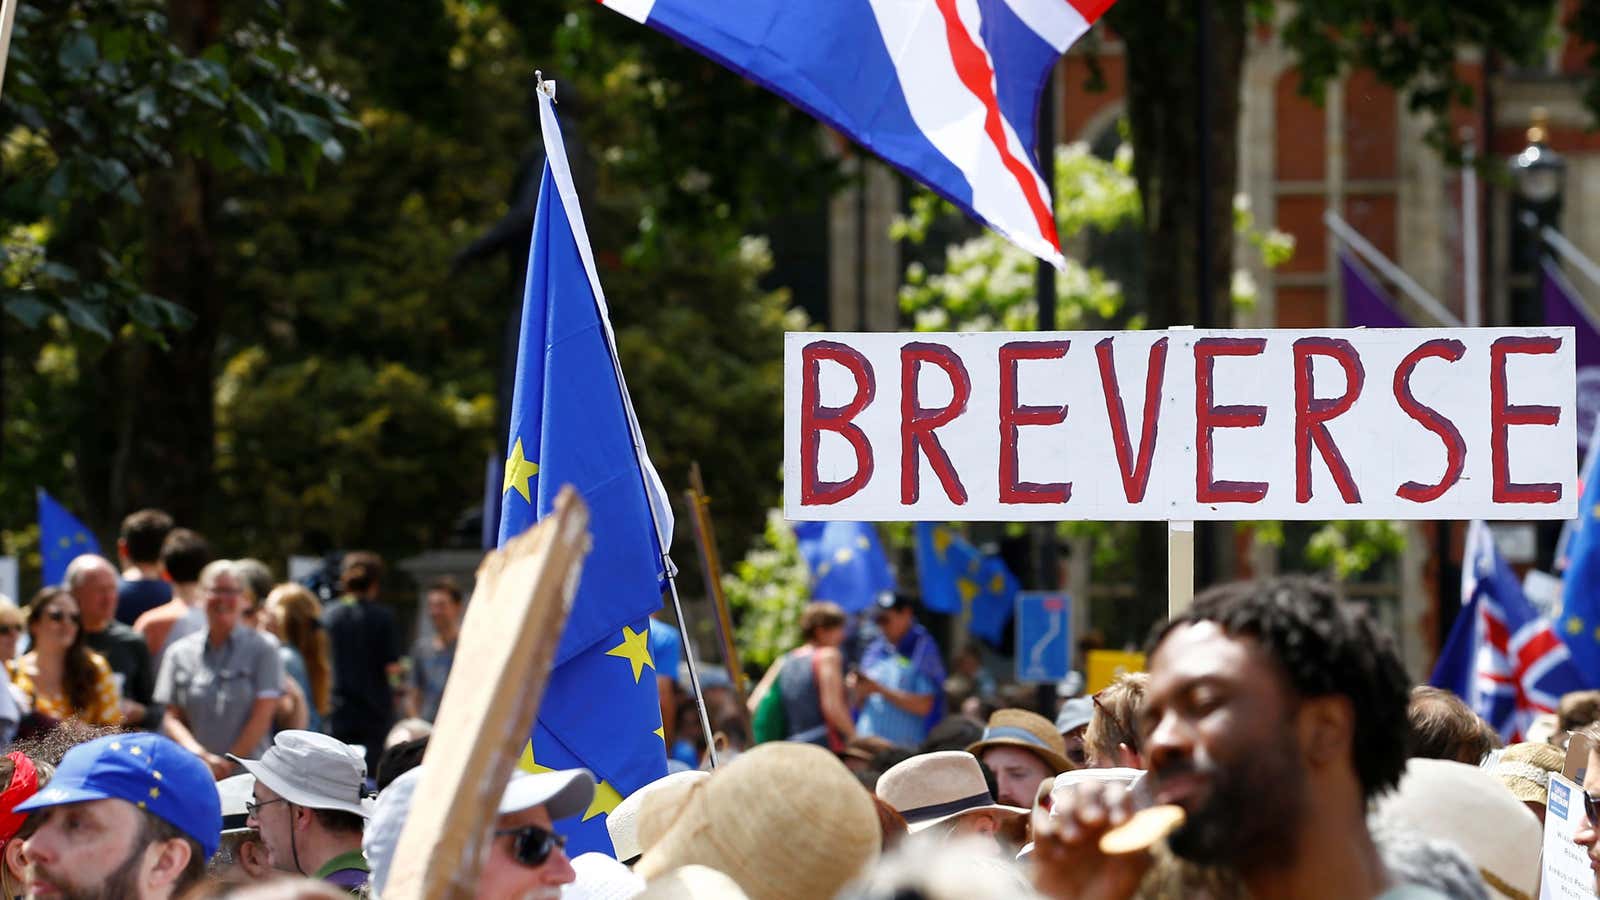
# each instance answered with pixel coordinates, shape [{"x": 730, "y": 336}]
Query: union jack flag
[
  {"x": 1502, "y": 658},
  {"x": 945, "y": 90}
]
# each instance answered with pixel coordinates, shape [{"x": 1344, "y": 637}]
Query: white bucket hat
[
  {"x": 938, "y": 787},
  {"x": 623, "y": 822},
  {"x": 314, "y": 771}
]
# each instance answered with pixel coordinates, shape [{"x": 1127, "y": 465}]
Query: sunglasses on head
[
  {"x": 61, "y": 615},
  {"x": 531, "y": 845}
]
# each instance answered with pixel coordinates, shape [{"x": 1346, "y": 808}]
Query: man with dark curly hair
[{"x": 1273, "y": 713}]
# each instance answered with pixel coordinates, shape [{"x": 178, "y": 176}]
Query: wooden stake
[
  {"x": 507, "y": 645},
  {"x": 705, "y": 540},
  {"x": 8, "y": 15},
  {"x": 1180, "y": 567}
]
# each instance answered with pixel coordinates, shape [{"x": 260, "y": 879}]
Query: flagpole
[
  {"x": 1472, "y": 301},
  {"x": 1388, "y": 269},
  {"x": 694, "y": 668},
  {"x": 1559, "y": 243}
]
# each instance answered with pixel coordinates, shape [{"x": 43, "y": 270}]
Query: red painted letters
[
  {"x": 1208, "y": 417},
  {"x": 1013, "y": 416},
  {"x": 1455, "y": 448},
  {"x": 1135, "y": 473},
  {"x": 816, "y": 418},
  {"x": 1312, "y": 414},
  {"x": 917, "y": 424},
  {"x": 1502, "y": 415}
]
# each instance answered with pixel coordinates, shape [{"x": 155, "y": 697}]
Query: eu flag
[
  {"x": 1580, "y": 600},
  {"x": 62, "y": 538},
  {"x": 848, "y": 565},
  {"x": 572, "y": 423},
  {"x": 955, "y": 575}
]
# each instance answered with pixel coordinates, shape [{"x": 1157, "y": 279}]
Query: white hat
[
  {"x": 622, "y": 823},
  {"x": 1473, "y": 810},
  {"x": 236, "y": 791},
  {"x": 937, "y": 787},
  {"x": 314, "y": 771},
  {"x": 1075, "y": 713},
  {"x": 382, "y": 833},
  {"x": 599, "y": 877},
  {"x": 563, "y": 794},
  {"x": 693, "y": 882}
]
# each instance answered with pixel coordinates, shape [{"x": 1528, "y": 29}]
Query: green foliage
[
  {"x": 767, "y": 591},
  {"x": 1413, "y": 46},
  {"x": 1345, "y": 549},
  {"x": 988, "y": 282},
  {"x": 98, "y": 97}
]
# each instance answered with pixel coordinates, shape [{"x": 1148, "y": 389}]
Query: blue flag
[
  {"x": 1505, "y": 661},
  {"x": 572, "y": 423},
  {"x": 62, "y": 538},
  {"x": 847, "y": 562},
  {"x": 954, "y": 574},
  {"x": 995, "y": 602},
  {"x": 1580, "y": 590}
]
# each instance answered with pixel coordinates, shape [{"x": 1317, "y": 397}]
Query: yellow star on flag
[
  {"x": 606, "y": 797},
  {"x": 863, "y": 543},
  {"x": 635, "y": 648},
  {"x": 969, "y": 589},
  {"x": 843, "y": 555},
  {"x": 997, "y": 585},
  {"x": 518, "y": 470},
  {"x": 1574, "y": 625},
  {"x": 661, "y": 733},
  {"x": 65, "y": 543},
  {"x": 941, "y": 542}
]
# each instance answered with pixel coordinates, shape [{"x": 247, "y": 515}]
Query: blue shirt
[
  {"x": 135, "y": 598},
  {"x": 882, "y": 719}
]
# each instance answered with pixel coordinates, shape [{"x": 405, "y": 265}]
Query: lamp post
[{"x": 1540, "y": 176}]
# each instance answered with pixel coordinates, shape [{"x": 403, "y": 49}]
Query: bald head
[{"x": 93, "y": 583}]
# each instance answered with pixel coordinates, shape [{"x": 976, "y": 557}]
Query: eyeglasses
[
  {"x": 9, "y": 630},
  {"x": 253, "y": 809},
  {"x": 531, "y": 845},
  {"x": 61, "y": 615},
  {"x": 1131, "y": 735},
  {"x": 1591, "y": 805}
]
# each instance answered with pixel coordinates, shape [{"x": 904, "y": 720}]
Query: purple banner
[
  {"x": 1563, "y": 306},
  {"x": 1366, "y": 303}
]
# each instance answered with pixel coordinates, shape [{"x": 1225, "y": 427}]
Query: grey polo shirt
[{"x": 216, "y": 688}]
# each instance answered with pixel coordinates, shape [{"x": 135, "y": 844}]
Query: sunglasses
[
  {"x": 9, "y": 630},
  {"x": 1591, "y": 805},
  {"x": 1133, "y": 736},
  {"x": 57, "y": 615},
  {"x": 531, "y": 845}
]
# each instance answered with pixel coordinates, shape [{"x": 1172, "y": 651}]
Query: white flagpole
[
  {"x": 1472, "y": 299},
  {"x": 1569, "y": 252},
  {"x": 1388, "y": 269}
]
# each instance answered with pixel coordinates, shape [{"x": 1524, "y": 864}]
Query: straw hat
[
  {"x": 1526, "y": 768},
  {"x": 785, "y": 821},
  {"x": 623, "y": 822},
  {"x": 1472, "y": 809},
  {"x": 938, "y": 787},
  {"x": 1030, "y": 731},
  {"x": 692, "y": 883}
]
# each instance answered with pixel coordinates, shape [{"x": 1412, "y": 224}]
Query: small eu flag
[
  {"x": 572, "y": 423},
  {"x": 848, "y": 566},
  {"x": 955, "y": 575},
  {"x": 62, "y": 538}
]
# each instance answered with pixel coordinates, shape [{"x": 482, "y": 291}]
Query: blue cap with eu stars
[{"x": 147, "y": 770}]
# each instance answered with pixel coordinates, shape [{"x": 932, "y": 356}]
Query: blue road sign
[{"x": 1044, "y": 645}]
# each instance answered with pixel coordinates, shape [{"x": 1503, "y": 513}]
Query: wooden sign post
[
  {"x": 503, "y": 658},
  {"x": 705, "y": 539}
]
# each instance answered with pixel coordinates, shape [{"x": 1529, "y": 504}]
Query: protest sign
[
  {"x": 1181, "y": 425},
  {"x": 503, "y": 657},
  {"x": 1103, "y": 666},
  {"x": 1565, "y": 873}
]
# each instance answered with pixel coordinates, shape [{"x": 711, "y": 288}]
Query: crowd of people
[{"x": 188, "y": 727}]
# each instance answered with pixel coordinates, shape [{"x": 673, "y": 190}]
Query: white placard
[
  {"x": 1565, "y": 873},
  {"x": 1275, "y": 424}
]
